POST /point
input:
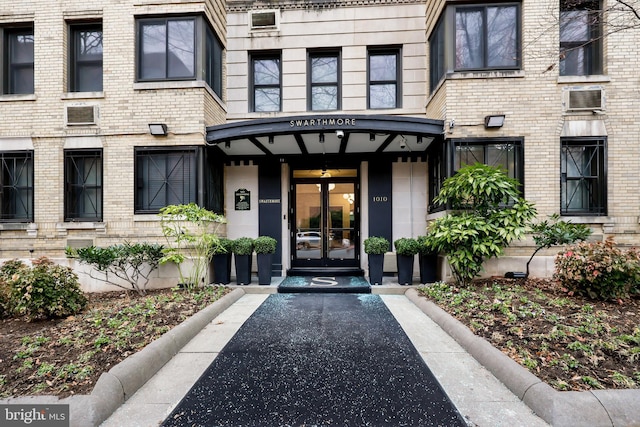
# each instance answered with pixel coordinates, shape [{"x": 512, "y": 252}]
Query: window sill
[
  {"x": 486, "y": 74},
  {"x": 146, "y": 218},
  {"x": 82, "y": 95},
  {"x": 30, "y": 227},
  {"x": 584, "y": 79},
  {"x": 63, "y": 227},
  {"x": 170, "y": 84},
  {"x": 587, "y": 219},
  {"x": 13, "y": 98}
]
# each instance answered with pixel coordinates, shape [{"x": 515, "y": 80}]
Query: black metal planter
[
  {"x": 428, "y": 264},
  {"x": 264, "y": 268},
  {"x": 376, "y": 266},
  {"x": 222, "y": 269},
  {"x": 243, "y": 269},
  {"x": 405, "y": 269}
]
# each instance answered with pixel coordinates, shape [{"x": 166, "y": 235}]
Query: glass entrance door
[{"x": 324, "y": 220}]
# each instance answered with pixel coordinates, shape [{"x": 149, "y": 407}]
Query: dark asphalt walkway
[{"x": 318, "y": 359}]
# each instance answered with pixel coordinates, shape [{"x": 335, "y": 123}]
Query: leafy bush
[
  {"x": 489, "y": 214},
  {"x": 131, "y": 262},
  {"x": 557, "y": 232},
  {"x": 46, "y": 290},
  {"x": 7, "y": 272},
  {"x": 192, "y": 233},
  {"x": 407, "y": 246},
  {"x": 423, "y": 245},
  {"x": 223, "y": 246},
  {"x": 243, "y": 246},
  {"x": 265, "y": 245},
  {"x": 376, "y": 245},
  {"x": 599, "y": 270}
]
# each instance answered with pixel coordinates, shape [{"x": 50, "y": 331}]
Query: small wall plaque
[{"x": 243, "y": 200}]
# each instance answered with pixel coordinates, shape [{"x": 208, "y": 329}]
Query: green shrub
[
  {"x": 487, "y": 215},
  {"x": 223, "y": 246},
  {"x": 7, "y": 272},
  {"x": 423, "y": 245},
  {"x": 598, "y": 270},
  {"x": 376, "y": 245},
  {"x": 129, "y": 262},
  {"x": 46, "y": 290},
  {"x": 407, "y": 246},
  {"x": 265, "y": 245},
  {"x": 243, "y": 246}
]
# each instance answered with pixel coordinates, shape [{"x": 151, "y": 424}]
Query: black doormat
[
  {"x": 310, "y": 360},
  {"x": 322, "y": 284}
]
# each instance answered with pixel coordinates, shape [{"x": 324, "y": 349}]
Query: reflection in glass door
[{"x": 325, "y": 224}]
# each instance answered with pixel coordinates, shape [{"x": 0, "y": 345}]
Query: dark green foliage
[
  {"x": 46, "y": 290},
  {"x": 407, "y": 246},
  {"x": 223, "y": 246},
  {"x": 243, "y": 246},
  {"x": 265, "y": 245},
  {"x": 375, "y": 245},
  {"x": 556, "y": 232},
  {"x": 129, "y": 262},
  {"x": 488, "y": 214},
  {"x": 599, "y": 270}
]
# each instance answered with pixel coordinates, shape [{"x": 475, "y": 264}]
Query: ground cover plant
[
  {"x": 66, "y": 356},
  {"x": 571, "y": 342}
]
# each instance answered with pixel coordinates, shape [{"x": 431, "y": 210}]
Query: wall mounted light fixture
[
  {"x": 321, "y": 137},
  {"x": 270, "y": 139},
  {"x": 158, "y": 129},
  {"x": 495, "y": 121}
]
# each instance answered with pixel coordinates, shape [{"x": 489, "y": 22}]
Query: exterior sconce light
[
  {"x": 494, "y": 122},
  {"x": 270, "y": 139},
  {"x": 372, "y": 137},
  {"x": 419, "y": 139},
  {"x": 158, "y": 129},
  {"x": 227, "y": 144},
  {"x": 321, "y": 138}
]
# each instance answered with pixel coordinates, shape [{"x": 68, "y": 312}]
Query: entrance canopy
[{"x": 325, "y": 134}]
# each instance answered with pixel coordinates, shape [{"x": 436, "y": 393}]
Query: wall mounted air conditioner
[
  {"x": 77, "y": 115},
  {"x": 584, "y": 98},
  {"x": 264, "y": 19}
]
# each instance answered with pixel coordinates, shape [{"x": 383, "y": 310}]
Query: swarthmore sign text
[{"x": 329, "y": 121}]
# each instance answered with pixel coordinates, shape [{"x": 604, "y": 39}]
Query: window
[
  {"x": 86, "y": 58},
  {"x": 164, "y": 177},
  {"x": 324, "y": 81},
  {"x": 16, "y": 186},
  {"x": 18, "y": 59},
  {"x": 83, "y": 185},
  {"x": 580, "y": 38},
  {"x": 166, "y": 49},
  {"x": 266, "y": 86},
  {"x": 487, "y": 37},
  {"x": 437, "y": 56},
  {"x": 264, "y": 20},
  {"x": 505, "y": 153},
  {"x": 383, "y": 75},
  {"x": 583, "y": 176},
  {"x": 213, "y": 63}
]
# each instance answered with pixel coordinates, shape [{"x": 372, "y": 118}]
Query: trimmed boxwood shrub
[
  {"x": 407, "y": 246},
  {"x": 265, "y": 245},
  {"x": 376, "y": 245},
  {"x": 242, "y": 246}
]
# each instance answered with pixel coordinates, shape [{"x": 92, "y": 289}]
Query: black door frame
[{"x": 325, "y": 262}]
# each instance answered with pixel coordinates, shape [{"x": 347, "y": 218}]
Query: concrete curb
[
  {"x": 617, "y": 408},
  {"x": 117, "y": 385}
]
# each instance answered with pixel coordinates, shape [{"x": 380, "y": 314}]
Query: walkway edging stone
[{"x": 618, "y": 408}]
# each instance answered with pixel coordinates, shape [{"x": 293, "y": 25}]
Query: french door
[{"x": 325, "y": 219}]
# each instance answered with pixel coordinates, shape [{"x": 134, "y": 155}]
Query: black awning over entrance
[{"x": 325, "y": 134}]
